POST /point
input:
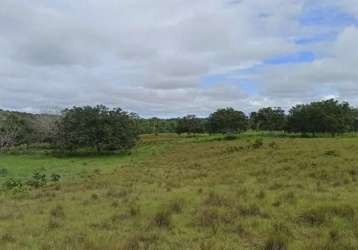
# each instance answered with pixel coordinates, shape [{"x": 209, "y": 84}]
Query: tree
[
  {"x": 96, "y": 127},
  {"x": 327, "y": 116},
  {"x": 227, "y": 121},
  {"x": 189, "y": 124},
  {"x": 14, "y": 131},
  {"x": 271, "y": 119}
]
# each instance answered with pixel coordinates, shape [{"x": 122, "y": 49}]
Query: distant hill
[{"x": 32, "y": 118}]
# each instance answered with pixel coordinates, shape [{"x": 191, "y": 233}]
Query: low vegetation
[{"x": 176, "y": 192}]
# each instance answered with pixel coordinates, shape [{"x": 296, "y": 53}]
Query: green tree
[
  {"x": 96, "y": 127},
  {"x": 14, "y": 131},
  {"x": 271, "y": 119},
  {"x": 227, "y": 121},
  {"x": 327, "y": 116},
  {"x": 190, "y": 124}
]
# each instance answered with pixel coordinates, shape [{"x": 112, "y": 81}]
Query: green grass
[{"x": 190, "y": 193}]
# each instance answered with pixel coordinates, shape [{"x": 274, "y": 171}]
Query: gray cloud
[{"x": 150, "y": 57}]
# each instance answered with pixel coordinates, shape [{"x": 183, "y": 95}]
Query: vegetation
[
  {"x": 175, "y": 192},
  {"x": 190, "y": 124},
  {"x": 227, "y": 121},
  {"x": 96, "y": 127},
  {"x": 268, "y": 119},
  {"x": 321, "y": 117}
]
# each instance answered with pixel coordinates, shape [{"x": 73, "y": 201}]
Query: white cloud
[{"x": 149, "y": 56}]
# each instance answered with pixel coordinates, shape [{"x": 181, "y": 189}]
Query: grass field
[{"x": 189, "y": 193}]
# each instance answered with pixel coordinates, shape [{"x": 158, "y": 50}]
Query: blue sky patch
[
  {"x": 300, "y": 57},
  {"x": 326, "y": 16}
]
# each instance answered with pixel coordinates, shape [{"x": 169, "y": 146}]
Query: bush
[
  {"x": 12, "y": 184},
  {"x": 37, "y": 180},
  {"x": 97, "y": 128},
  {"x": 55, "y": 177}
]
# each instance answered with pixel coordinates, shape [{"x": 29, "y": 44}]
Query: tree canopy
[
  {"x": 227, "y": 120},
  {"x": 96, "y": 127},
  {"x": 271, "y": 119},
  {"x": 190, "y": 124},
  {"x": 327, "y": 116}
]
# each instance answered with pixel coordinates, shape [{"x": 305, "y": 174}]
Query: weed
[
  {"x": 94, "y": 196},
  {"x": 331, "y": 153},
  {"x": 58, "y": 212},
  {"x": 7, "y": 238},
  {"x": 13, "y": 184},
  {"x": 54, "y": 223},
  {"x": 162, "y": 219},
  {"x": 273, "y": 145},
  {"x": 261, "y": 195},
  {"x": 134, "y": 210},
  {"x": 176, "y": 206},
  {"x": 37, "y": 180},
  {"x": 277, "y": 241},
  {"x": 55, "y": 177},
  {"x": 215, "y": 199},
  {"x": 250, "y": 210},
  {"x": 3, "y": 172},
  {"x": 258, "y": 143},
  {"x": 209, "y": 217}
]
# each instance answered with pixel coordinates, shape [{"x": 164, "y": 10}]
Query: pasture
[{"x": 172, "y": 192}]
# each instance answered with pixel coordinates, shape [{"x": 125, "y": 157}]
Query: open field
[{"x": 189, "y": 193}]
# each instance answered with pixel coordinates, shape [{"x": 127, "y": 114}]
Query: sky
[{"x": 170, "y": 58}]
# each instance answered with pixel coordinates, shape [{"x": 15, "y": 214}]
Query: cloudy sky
[{"x": 172, "y": 57}]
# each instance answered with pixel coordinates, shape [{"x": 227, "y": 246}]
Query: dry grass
[{"x": 193, "y": 193}]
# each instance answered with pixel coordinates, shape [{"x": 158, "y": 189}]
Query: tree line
[
  {"x": 328, "y": 116},
  {"x": 103, "y": 129}
]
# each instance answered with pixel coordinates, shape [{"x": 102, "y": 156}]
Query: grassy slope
[{"x": 191, "y": 194}]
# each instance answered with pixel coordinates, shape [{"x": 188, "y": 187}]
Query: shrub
[
  {"x": 55, "y": 177},
  {"x": 97, "y": 128},
  {"x": 37, "y": 180},
  {"x": 13, "y": 184}
]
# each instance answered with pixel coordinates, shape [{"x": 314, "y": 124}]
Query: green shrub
[
  {"x": 37, "y": 180},
  {"x": 55, "y": 177},
  {"x": 13, "y": 184}
]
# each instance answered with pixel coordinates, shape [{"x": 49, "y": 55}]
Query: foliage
[
  {"x": 96, "y": 127},
  {"x": 14, "y": 131},
  {"x": 37, "y": 180},
  {"x": 269, "y": 119},
  {"x": 190, "y": 124},
  {"x": 327, "y": 116},
  {"x": 227, "y": 121},
  {"x": 12, "y": 184}
]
